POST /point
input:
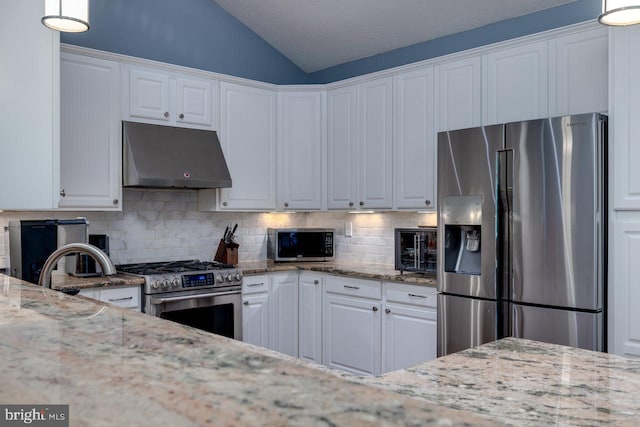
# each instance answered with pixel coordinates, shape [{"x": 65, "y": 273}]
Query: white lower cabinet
[
  {"x": 255, "y": 314},
  {"x": 125, "y": 297},
  {"x": 352, "y": 325},
  {"x": 310, "y": 316},
  {"x": 283, "y": 312},
  {"x": 409, "y": 326}
]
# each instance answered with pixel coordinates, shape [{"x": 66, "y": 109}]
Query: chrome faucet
[{"x": 100, "y": 257}]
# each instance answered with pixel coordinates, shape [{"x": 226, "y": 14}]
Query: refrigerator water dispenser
[{"x": 462, "y": 217}]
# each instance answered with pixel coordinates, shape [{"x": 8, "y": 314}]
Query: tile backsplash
[{"x": 160, "y": 225}]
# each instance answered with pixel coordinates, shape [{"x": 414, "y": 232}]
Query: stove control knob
[
  {"x": 229, "y": 278},
  {"x": 155, "y": 284},
  {"x": 238, "y": 276},
  {"x": 165, "y": 284},
  {"x": 175, "y": 282},
  {"x": 219, "y": 278}
]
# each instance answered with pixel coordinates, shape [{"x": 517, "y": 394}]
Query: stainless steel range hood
[{"x": 170, "y": 157}]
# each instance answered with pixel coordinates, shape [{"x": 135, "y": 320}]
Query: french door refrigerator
[{"x": 522, "y": 233}]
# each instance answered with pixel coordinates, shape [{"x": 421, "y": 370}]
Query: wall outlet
[{"x": 348, "y": 229}]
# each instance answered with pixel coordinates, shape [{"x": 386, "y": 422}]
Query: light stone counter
[
  {"x": 364, "y": 271},
  {"x": 71, "y": 285},
  {"x": 118, "y": 367}
]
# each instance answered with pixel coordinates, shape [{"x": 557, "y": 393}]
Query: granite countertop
[
  {"x": 118, "y": 367},
  {"x": 70, "y": 284},
  {"x": 360, "y": 270}
]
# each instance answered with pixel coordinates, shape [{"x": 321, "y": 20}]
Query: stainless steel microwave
[
  {"x": 300, "y": 244},
  {"x": 416, "y": 249}
]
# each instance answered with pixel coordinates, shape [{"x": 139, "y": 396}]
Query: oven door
[{"x": 216, "y": 312}]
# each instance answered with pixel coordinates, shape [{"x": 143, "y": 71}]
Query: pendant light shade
[
  {"x": 620, "y": 12},
  {"x": 66, "y": 15}
]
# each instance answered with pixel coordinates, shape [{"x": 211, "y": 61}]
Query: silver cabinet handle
[
  {"x": 351, "y": 287},
  {"x": 181, "y": 116},
  {"x": 316, "y": 282},
  {"x": 62, "y": 193},
  {"x": 115, "y": 201},
  {"x": 374, "y": 308},
  {"x": 166, "y": 114},
  {"x": 246, "y": 303},
  {"x": 387, "y": 310},
  {"x": 255, "y": 284},
  {"x": 417, "y": 296},
  {"x": 224, "y": 203},
  {"x": 286, "y": 205},
  {"x": 120, "y": 299},
  {"x": 361, "y": 203},
  {"x": 350, "y": 204},
  {"x": 427, "y": 202}
]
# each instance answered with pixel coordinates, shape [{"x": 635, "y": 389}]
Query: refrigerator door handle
[{"x": 504, "y": 222}]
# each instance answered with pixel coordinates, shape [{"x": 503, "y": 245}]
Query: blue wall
[
  {"x": 572, "y": 13},
  {"x": 200, "y": 34},
  {"x": 193, "y": 33}
]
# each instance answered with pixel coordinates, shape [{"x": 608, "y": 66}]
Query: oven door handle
[{"x": 157, "y": 301}]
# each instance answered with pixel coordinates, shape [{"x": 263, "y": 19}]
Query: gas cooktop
[{"x": 150, "y": 268}]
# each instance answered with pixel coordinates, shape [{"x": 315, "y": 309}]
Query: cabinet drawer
[
  {"x": 255, "y": 284},
  {"x": 128, "y": 297},
  {"x": 353, "y": 287},
  {"x": 410, "y": 294}
]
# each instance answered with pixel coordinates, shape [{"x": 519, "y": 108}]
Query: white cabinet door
[
  {"x": 310, "y": 317},
  {"x": 194, "y": 101},
  {"x": 415, "y": 151},
  {"x": 375, "y": 149},
  {"x": 248, "y": 138},
  {"x": 255, "y": 319},
  {"x": 579, "y": 73},
  {"x": 125, "y": 297},
  {"x": 342, "y": 141},
  {"x": 283, "y": 313},
  {"x": 352, "y": 334},
  {"x": 516, "y": 83},
  {"x": 300, "y": 150},
  {"x": 29, "y": 112},
  {"x": 149, "y": 95},
  {"x": 410, "y": 336},
  {"x": 460, "y": 95},
  {"x": 90, "y": 148}
]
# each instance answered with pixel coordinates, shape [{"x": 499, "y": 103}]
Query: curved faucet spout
[{"x": 100, "y": 257}]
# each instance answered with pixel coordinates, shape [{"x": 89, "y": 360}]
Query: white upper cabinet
[
  {"x": 248, "y": 139},
  {"x": 360, "y": 146},
  {"x": 90, "y": 150},
  {"x": 414, "y": 143},
  {"x": 29, "y": 124},
  {"x": 157, "y": 96},
  {"x": 515, "y": 82},
  {"x": 460, "y": 94},
  {"x": 376, "y": 152},
  {"x": 342, "y": 141},
  {"x": 579, "y": 73},
  {"x": 300, "y": 150}
]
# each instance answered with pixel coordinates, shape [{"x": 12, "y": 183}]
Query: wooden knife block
[{"x": 227, "y": 253}]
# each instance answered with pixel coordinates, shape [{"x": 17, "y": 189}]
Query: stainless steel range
[{"x": 205, "y": 295}]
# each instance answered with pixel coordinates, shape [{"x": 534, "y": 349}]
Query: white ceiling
[{"x": 317, "y": 34}]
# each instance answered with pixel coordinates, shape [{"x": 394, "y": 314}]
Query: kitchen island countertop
[
  {"x": 70, "y": 284},
  {"x": 119, "y": 367},
  {"x": 381, "y": 272}
]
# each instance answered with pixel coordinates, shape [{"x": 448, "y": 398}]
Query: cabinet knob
[
  {"x": 181, "y": 116},
  {"x": 224, "y": 203},
  {"x": 62, "y": 193},
  {"x": 387, "y": 310},
  {"x": 350, "y": 204},
  {"x": 115, "y": 201},
  {"x": 316, "y": 282},
  {"x": 361, "y": 203},
  {"x": 286, "y": 204},
  {"x": 427, "y": 202},
  {"x": 374, "y": 308},
  {"x": 166, "y": 114},
  {"x": 246, "y": 303}
]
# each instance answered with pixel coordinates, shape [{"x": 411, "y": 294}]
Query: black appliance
[
  {"x": 300, "y": 244},
  {"x": 416, "y": 249}
]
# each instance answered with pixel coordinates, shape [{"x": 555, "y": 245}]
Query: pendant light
[
  {"x": 620, "y": 12},
  {"x": 70, "y": 16}
]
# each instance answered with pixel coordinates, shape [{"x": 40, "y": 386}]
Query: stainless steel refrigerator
[{"x": 522, "y": 233}]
